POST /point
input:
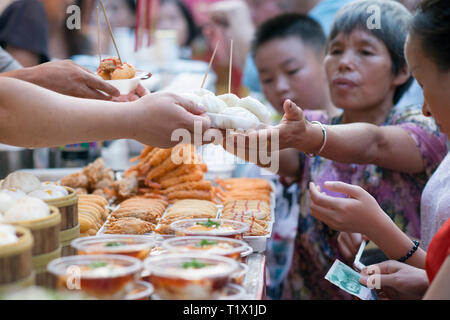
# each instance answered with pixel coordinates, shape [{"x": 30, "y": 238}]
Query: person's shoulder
[
  {"x": 21, "y": 5},
  {"x": 409, "y": 114}
]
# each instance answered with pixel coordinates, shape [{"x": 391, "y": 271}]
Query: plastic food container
[
  {"x": 141, "y": 291},
  {"x": 100, "y": 276},
  {"x": 234, "y": 292},
  {"x": 226, "y": 247},
  {"x": 136, "y": 246},
  {"x": 238, "y": 276},
  {"x": 181, "y": 276},
  {"x": 210, "y": 227}
]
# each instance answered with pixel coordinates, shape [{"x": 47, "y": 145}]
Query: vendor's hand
[
  {"x": 396, "y": 280},
  {"x": 132, "y": 96},
  {"x": 71, "y": 79},
  {"x": 359, "y": 212},
  {"x": 348, "y": 244},
  {"x": 155, "y": 116}
]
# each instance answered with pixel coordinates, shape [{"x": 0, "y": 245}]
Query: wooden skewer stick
[
  {"x": 99, "y": 45},
  {"x": 210, "y": 64},
  {"x": 231, "y": 66},
  {"x": 110, "y": 31}
]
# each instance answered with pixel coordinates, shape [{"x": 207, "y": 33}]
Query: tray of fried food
[
  {"x": 245, "y": 189},
  {"x": 186, "y": 209},
  {"x": 254, "y": 212},
  {"x": 92, "y": 213},
  {"x": 260, "y": 210},
  {"x": 150, "y": 210}
]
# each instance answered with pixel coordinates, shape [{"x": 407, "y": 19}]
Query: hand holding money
[{"x": 396, "y": 280}]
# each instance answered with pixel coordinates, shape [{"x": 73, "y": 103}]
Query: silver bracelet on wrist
[{"x": 324, "y": 131}]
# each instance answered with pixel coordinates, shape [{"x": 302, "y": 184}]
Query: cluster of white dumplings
[
  {"x": 231, "y": 105},
  {"x": 22, "y": 195}
]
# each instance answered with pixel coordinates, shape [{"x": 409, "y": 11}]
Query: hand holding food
[
  {"x": 159, "y": 107},
  {"x": 71, "y": 79}
]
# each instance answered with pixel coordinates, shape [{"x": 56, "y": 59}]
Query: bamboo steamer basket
[
  {"x": 16, "y": 264},
  {"x": 70, "y": 227},
  {"x": 46, "y": 245}
]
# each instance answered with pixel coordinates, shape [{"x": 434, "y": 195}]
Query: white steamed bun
[
  {"x": 230, "y": 99},
  {"x": 6, "y": 201},
  {"x": 7, "y": 234},
  {"x": 24, "y": 181},
  {"x": 255, "y": 107},
  {"x": 212, "y": 103},
  {"x": 27, "y": 208}
]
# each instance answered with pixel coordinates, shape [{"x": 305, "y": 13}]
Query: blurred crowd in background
[{"x": 199, "y": 25}]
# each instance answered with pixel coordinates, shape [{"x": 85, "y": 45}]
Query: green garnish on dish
[
  {"x": 209, "y": 223},
  {"x": 193, "y": 264},
  {"x": 98, "y": 264},
  {"x": 204, "y": 242},
  {"x": 114, "y": 244}
]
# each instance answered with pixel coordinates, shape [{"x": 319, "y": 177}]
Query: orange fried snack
[
  {"x": 150, "y": 210},
  {"x": 128, "y": 225}
]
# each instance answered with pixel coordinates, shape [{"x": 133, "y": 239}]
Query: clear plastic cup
[
  {"x": 137, "y": 246},
  {"x": 238, "y": 276},
  {"x": 142, "y": 290},
  {"x": 234, "y": 292},
  {"x": 227, "y": 247},
  {"x": 210, "y": 227},
  {"x": 188, "y": 276},
  {"x": 101, "y": 276}
]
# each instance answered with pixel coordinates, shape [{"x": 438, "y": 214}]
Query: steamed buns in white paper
[
  {"x": 255, "y": 107},
  {"x": 241, "y": 113},
  {"x": 230, "y": 99},
  {"x": 228, "y": 111}
]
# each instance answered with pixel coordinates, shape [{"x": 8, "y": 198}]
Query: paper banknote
[{"x": 347, "y": 279}]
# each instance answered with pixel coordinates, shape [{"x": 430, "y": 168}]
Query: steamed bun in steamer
[
  {"x": 7, "y": 234},
  {"x": 6, "y": 201},
  {"x": 49, "y": 192},
  {"x": 24, "y": 181},
  {"x": 15, "y": 193},
  {"x": 27, "y": 208}
]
